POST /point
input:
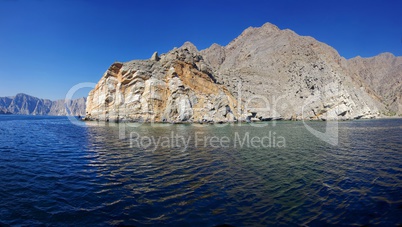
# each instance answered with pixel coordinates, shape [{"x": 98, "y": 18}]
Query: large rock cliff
[
  {"x": 175, "y": 87},
  {"x": 265, "y": 73}
]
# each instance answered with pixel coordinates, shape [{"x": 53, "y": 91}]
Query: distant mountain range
[{"x": 29, "y": 105}]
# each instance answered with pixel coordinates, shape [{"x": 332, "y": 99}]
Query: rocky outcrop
[
  {"x": 29, "y": 105},
  {"x": 264, "y": 74},
  {"x": 155, "y": 57},
  {"x": 177, "y": 88}
]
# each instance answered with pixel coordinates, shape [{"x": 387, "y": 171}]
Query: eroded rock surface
[{"x": 179, "y": 87}]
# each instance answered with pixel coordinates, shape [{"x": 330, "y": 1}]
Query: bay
[{"x": 53, "y": 172}]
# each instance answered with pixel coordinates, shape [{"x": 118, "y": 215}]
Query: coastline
[{"x": 238, "y": 121}]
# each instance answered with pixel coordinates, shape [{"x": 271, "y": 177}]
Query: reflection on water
[{"x": 56, "y": 173}]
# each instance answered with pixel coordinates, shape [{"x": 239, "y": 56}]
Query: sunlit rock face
[
  {"x": 175, "y": 87},
  {"x": 264, "y": 74}
]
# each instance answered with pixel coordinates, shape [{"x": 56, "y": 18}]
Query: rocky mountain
[
  {"x": 380, "y": 76},
  {"x": 264, "y": 74},
  {"x": 29, "y": 105}
]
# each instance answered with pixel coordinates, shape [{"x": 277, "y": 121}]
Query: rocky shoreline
[{"x": 239, "y": 121}]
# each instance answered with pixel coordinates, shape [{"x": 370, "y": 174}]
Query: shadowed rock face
[
  {"x": 265, "y": 73},
  {"x": 29, "y": 105}
]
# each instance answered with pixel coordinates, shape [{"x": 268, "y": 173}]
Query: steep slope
[
  {"x": 29, "y": 105},
  {"x": 291, "y": 76},
  {"x": 381, "y": 76}
]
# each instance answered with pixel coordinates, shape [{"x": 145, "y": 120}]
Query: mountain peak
[
  {"x": 215, "y": 45},
  {"x": 269, "y": 26},
  {"x": 386, "y": 55},
  {"x": 21, "y": 94},
  {"x": 189, "y": 46}
]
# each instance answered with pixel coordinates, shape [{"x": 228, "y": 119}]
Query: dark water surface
[{"x": 55, "y": 173}]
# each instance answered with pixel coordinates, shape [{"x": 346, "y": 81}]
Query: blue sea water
[{"x": 55, "y": 173}]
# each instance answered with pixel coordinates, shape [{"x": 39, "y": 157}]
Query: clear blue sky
[{"x": 47, "y": 46}]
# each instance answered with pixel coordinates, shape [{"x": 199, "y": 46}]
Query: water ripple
[{"x": 55, "y": 173}]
